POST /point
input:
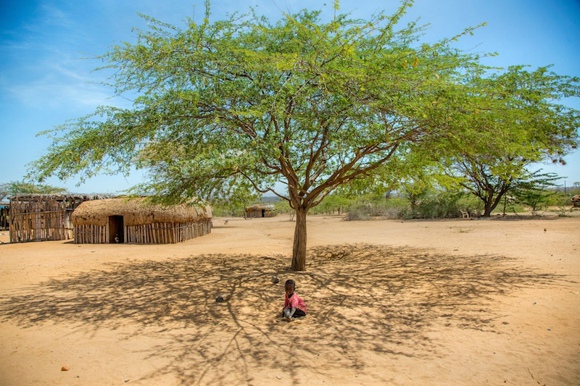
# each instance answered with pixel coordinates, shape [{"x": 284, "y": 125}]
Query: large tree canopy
[{"x": 224, "y": 107}]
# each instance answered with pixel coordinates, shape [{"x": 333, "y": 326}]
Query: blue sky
[{"x": 46, "y": 75}]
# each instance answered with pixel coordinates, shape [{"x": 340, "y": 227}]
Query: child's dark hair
[{"x": 290, "y": 282}]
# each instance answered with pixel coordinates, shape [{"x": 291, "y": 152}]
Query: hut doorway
[{"x": 116, "y": 229}]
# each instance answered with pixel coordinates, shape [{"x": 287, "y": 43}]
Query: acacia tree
[
  {"x": 515, "y": 120},
  {"x": 21, "y": 187},
  {"x": 536, "y": 190},
  {"x": 246, "y": 103},
  {"x": 487, "y": 177}
]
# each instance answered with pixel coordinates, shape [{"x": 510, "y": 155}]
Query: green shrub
[
  {"x": 436, "y": 207},
  {"x": 443, "y": 204},
  {"x": 358, "y": 213}
]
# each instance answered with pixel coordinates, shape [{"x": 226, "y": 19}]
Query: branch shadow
[{"x": 364, "y": 300}]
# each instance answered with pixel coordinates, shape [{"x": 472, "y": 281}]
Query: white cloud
[
  {"x": 53, "y": 16},
  {"x": 63, "y": 88}
]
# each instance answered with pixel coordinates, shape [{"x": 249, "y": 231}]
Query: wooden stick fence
[
  {"x": 40, "y": 218},
  {"x": 91, "y": 234},
  {"x": 154, "y": 233}
]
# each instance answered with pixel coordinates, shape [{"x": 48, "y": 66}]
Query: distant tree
[
  {"x": 21, "y": 187},
  {"x": 420, "y": 176},
  {"x": 536, "y": 189},
  {"x": 514, "y": 121},
  {"x": 486, "y": 177},
  {"x": 334, "y": 203},
  {"x": 234, "y": 204}
]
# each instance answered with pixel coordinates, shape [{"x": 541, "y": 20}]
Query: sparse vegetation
[
  {"x": 21, "y": 187},
  {"x": 225, "y": 108}
]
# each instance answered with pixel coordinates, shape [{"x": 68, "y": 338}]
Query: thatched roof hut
[
  {"x": 260, "y": 210},
  {"x": 136, "y": 211},
  {"x": 136, "y": 220}
]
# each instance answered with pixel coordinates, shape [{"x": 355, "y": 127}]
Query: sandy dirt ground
[{"x": 455, "y": 302}]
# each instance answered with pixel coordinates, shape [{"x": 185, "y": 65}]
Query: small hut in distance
[
  {"x": 260, "y": 210},
  {"x": 135, "y": 220}
]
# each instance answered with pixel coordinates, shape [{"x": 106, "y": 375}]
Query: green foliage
[
  {"x": 227, "y": 107},
  {"x": 234, "y": 205},
  {"x": 534, "y": 191},
  {"x": 227, "y": 209},
  {"x": 434, "y": 204},
  {"x": 237, "y": 104},
  {"x": 514, "y": 121},
  {"x": 416, "y": 191},
  {"x": 21, "y": 187},
  {"x": 442, "y": 205},
  {"x": 282, "y": 207},
  {"x": 333, "y": 204},
  {"x": 559, "y": 199}
]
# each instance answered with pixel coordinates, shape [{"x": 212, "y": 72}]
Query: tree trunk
[
  {"x": 487, "y": 208},
  {"x": 491, "y": 202},
  {"x": 299, "y": 248},
  {"x": 504, "y": 204}
]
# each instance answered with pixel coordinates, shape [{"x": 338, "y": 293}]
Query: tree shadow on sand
[{"x": 363, "y": 300}]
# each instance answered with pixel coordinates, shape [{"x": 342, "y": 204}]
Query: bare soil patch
[{"x": 421, "y": 302}]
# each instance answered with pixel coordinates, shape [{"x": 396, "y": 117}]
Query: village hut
[
  {"x": 260, "y": 210},
  {"x": 136, "y": 220},
  {"x": 42, "y": 217}
]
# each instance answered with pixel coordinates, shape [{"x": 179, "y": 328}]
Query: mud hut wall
[{"x": 39, "y": 220}]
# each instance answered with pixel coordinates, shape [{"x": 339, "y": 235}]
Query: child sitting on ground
[{"x": 294, "y": 306}]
